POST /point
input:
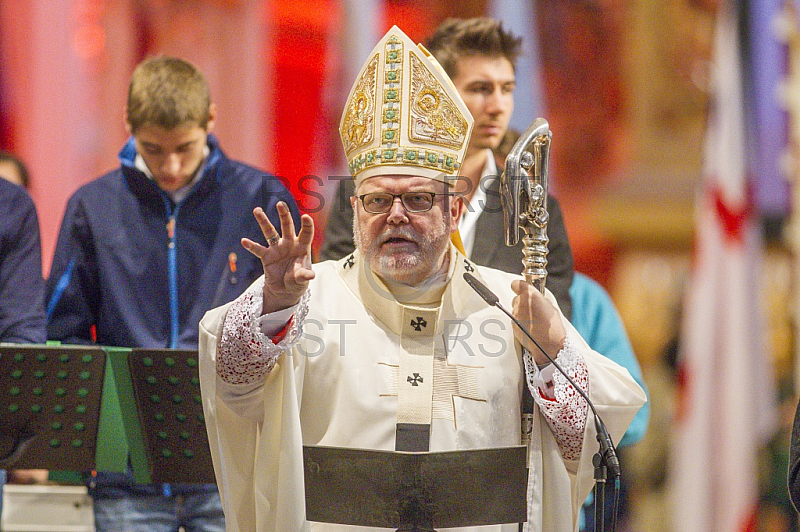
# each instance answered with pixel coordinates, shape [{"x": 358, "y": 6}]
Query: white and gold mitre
[{"x": 404, "y": 115}]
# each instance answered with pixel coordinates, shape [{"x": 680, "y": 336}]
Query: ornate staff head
[{"x": 523, "y": 190}]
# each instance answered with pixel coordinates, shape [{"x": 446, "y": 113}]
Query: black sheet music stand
[
  {"x": 50, "y": 410},
  {"x": 170, "y": 427},
  {"x": 415, "y": 491}
]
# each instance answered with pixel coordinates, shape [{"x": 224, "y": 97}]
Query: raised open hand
[{"x": 286, "y": 259}]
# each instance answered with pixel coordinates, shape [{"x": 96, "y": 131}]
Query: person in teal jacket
[{"x": 596, "y": 318}]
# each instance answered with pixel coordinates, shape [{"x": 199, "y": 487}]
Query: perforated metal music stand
[
  {"x": 415, "y": 491},
  {"x": 50, "y": 406},
  {"x": 169, "y": 427}
]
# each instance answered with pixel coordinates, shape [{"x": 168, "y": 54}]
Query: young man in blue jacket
[
  {"x": 145, "y": 250},
  {"x": 22, "y": 317},
  {"x": 21, "y": 285}
]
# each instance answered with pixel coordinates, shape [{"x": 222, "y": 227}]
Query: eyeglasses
[{"x": 381, "y": 202}]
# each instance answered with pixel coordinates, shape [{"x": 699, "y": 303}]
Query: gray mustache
[{"x": 400, "y": 233}]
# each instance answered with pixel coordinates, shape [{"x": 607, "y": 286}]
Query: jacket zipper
[{"x": 172, "y": 270}]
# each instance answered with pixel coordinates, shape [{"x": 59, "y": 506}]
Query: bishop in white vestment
[{"x": 352, "y": 353}]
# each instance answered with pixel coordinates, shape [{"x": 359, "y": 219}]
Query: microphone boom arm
[{"x": 607, "y": 449}]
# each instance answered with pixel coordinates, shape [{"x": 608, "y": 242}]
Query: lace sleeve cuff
[
  {"x": 245, "y": 354},
  {"x": 561, "y": 405}
]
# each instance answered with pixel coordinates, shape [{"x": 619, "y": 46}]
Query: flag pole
[{"x": 788, "y": 31}]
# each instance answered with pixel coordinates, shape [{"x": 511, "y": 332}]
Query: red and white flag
[{"x": 726, "y": 406}]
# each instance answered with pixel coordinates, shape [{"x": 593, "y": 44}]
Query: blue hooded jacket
[
  {"x": 117, "y": 269},
  {"x": 134, "y": 269},
  {"x": 22, "y": 317}
]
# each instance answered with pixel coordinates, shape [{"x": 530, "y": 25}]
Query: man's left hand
[{"x": 542, "y": 320}]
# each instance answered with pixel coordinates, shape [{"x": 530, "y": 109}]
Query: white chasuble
[{"x": 365, "y": 363}]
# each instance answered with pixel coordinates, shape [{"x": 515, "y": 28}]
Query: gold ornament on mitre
[{"x": 404, "y": 116}]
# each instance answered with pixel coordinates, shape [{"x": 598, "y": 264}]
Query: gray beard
[{"x": 406, "y": 269}]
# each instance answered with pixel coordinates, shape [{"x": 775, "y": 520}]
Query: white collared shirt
[{"x": 476, "y": 205}]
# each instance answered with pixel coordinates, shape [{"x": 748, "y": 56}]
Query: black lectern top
[{"x": 415, "y": 491}]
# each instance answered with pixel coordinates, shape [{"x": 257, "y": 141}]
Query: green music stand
[
  {"x": 170, "y": 426},
  {"x": 50, "y": 407}
]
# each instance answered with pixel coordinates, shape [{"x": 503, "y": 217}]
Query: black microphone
[
  {"x": 484, "y": 292},
  {"x": 607, "y": 449}
]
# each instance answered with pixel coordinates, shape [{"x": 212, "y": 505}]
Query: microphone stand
[{"x": 605, "y": 461}]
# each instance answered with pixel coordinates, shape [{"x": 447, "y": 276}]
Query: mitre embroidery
[
  {"x": 434, "y": 116},
  {"x": 358, "y": 128}
]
